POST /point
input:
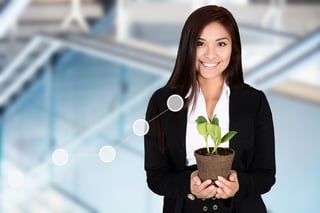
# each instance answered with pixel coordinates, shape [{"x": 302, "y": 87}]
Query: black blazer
[{"x": 249, "y": 115}]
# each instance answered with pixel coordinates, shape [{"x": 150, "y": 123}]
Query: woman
[{"x": 208, "y": 74}]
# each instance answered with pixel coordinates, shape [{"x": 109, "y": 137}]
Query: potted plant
[{"x": 213, "y": 161}]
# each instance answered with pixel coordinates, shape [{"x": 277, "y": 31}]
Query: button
[
  {"x": 205, "y": 208},
  {"x": 191, "y": 196},
  {"x": 215, "y": 207}
]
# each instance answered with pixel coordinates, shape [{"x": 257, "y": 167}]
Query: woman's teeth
[{"x": 210, "y": 65}]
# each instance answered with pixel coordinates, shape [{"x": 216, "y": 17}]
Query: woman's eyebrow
[
  {"x": 219, "y": 39},
  {"x": 223, "y": 38}
]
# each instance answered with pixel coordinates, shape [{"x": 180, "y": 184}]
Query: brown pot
[{"x": 212, "y": 166}]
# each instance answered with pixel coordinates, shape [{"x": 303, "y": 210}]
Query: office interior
[{"x": 75, "y": 76}]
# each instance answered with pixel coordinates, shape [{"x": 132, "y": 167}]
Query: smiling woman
[{"x": 208, "y": 74}]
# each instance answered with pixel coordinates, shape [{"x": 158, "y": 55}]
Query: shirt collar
[{"x": 225, "y": 90}]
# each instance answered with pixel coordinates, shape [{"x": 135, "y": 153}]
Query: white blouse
[{"x": 193, "y": 139}]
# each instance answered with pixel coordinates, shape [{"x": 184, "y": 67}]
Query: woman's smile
[{"x": 209, "y": 64}]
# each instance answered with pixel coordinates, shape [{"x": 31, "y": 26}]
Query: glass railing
[
  {"x": 84, "y": 107},
  {"x": 88, "y": 103}
]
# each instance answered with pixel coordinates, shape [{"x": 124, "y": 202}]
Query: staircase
[
  {"x": 20, "y": 62},
  {"x": 52, "y": 17}
]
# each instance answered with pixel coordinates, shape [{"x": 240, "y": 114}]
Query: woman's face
[{"x": 213, "y": 51}]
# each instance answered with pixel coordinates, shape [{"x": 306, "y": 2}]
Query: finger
[
  {"x": 226, "y": 188},
  {"x": 195, "y": 178},
  {"x": 233, "y": 176},
  {"x": 223, "y": 184},
  {"x": 208, "y": 192},
  {"x": 205, "y": 190},
  {"x": 205, "y": 184},
  {"x": 195, "y": 182},
  {"x": 222, "y": 181},
  {"x": 197, "y": 186},
  {"x": 220, "y": 194}
]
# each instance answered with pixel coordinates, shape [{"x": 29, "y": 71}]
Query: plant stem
[
  {"x": 215, "y": 149},
  {"x": 207, "y": 145}
]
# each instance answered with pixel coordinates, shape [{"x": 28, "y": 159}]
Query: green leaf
[
  {"x": 201, "y": 119},
  {"x": 215, "y": 120},
  {"x": 202, "y": 129},
  {"x": 215, "y": 133},
  {"x": 210, "y": 128},
  {"x": 228, "y": 136}
]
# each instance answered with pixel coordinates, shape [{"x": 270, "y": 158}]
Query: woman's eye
[
  {"x": 200, "y": 43},
  {"x": 222, "y": 44}
]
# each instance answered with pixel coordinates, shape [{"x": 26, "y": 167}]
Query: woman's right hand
[{"x": 202, "y": 190}]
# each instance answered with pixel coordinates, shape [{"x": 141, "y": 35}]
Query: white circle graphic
[
  {"x": 107, "y": 154},
  {"x": 60, "y": 157},
  {"x": 140, "y": 127},
  {"x": 16, "y": 179},
  {"x": 175, "y": 103}
]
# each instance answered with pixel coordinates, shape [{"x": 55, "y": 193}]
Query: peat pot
[{"x": 212, "y": 166}]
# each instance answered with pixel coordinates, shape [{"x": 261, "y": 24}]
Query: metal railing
[
  {"x": 16, "y": 82},
  {"x": 108, "y": 50},
  {"x": 281, "y": 65},
  {"x": 264, "y": 75},
  {"x": 10, "y": 15}
]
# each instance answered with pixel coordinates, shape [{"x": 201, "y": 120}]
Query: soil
[{"x": 221, "y": 151}]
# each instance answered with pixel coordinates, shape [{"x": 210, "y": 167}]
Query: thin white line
[{"x": 158, "y": 115}]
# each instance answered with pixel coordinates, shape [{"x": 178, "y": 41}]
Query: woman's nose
[{"x": 211, "y": 52}]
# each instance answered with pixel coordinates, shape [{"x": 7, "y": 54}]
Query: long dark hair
[{"x": 184, "y": 75}]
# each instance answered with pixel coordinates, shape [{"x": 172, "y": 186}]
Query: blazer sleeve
[
  {"x": 259, "y": 176},
  {"x": 165, "y": 175}
]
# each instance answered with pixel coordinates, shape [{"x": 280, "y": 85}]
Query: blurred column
[
  {"x": 122, "y": 23},
  {"x": 3, "y": 4},
  {"x": 122, "y": 99},
  {"x": 76, "y": 15},
  {"x": 273, "y": 16},
  {"x": 1, "y": 160},
  {"x": 1, "y": 146},
  {"x": 51, "y": 113}
]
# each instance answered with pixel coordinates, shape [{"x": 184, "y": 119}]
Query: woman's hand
[
  {"x": 227, "y": 188},
  {"x": 203, "y": 190},
  {"x": 223, "y": 188}
]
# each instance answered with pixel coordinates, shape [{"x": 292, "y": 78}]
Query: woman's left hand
[{"x": 227, "y": 188}]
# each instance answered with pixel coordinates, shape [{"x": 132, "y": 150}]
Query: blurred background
[{"x": 75, "y": 75}]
